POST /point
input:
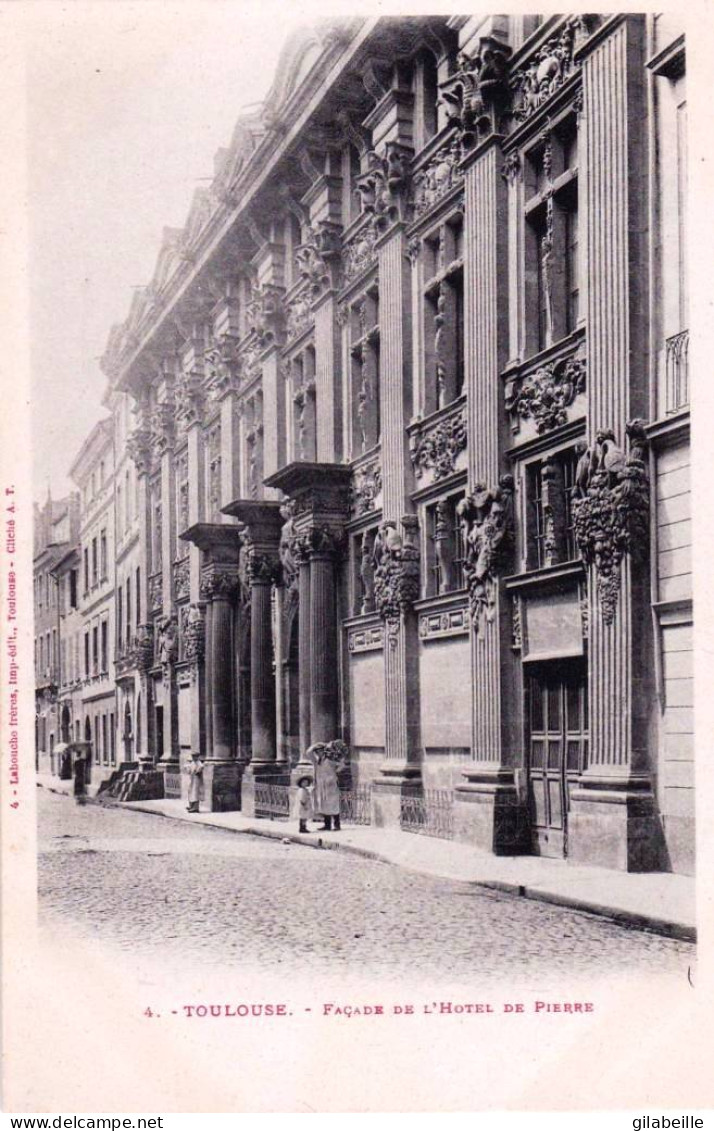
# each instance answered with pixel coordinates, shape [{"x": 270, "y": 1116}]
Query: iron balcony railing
[
  {"x": 677, "y": 371},
  {"x": 428, "y": 811}
]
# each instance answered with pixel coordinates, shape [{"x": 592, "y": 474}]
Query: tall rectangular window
[
  {"x": 552, "y": 254},
  {"x": 443, "y": 314},
  {"x": 138, "y": 596},
  {"x": 95, "y": 649},
  {"x": 86, "y": 570},
  {"x": 128, "y": 610},
  {"x": 550, "y": 532},
  {"x": 95, "y": 562},
  {"x": 105, "y": 742},
  {"x": 87, "y": 670},
  {"x": 105, "y": 638},
  {"x": 112, "y": 739},
  {"x": 103, "y": 554},
  {"x": 73, "y": 589},
  {"x": 120, "y": 617}
]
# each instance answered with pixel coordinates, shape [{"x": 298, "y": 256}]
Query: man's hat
[{"x": 303, "y": 780}]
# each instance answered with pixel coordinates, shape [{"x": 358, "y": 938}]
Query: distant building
[
  {"x": 410, "y": 426},
  {"x": 93, "y": 472},
  {"x": 56, "y": 528}
]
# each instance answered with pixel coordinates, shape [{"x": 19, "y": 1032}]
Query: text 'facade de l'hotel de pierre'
[{"x": 397, "y": 451}]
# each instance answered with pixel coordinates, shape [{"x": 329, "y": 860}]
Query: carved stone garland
[
  {"x": 439, "y": 448},
  {"x": 611, "y": 509},
  {"x": 545, "y": 395},
  {"x": 438, "y": 178},
  {"x": 396, "y": 572},
  {"x": 486, "y": 518}
]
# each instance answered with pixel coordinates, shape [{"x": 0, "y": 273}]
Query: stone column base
[
  {"x": 615, "y": 825},
  {"x": 254, "y": 774},
  {"x": 387, "y": 793},
  {"x": 222, "y": 786},
  {"x": 490, "y": 813}
]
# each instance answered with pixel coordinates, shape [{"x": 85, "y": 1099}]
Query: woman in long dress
[
  {"x": 194, "y": 769},
  {"x": 327, "y": 759}
]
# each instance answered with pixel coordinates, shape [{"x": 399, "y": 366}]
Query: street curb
[
  {"x": 631, "y": 919},
  {"x": 682, "y": 932}
]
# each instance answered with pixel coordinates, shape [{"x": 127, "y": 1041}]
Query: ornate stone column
[
  {"x": 613, "y": 818},
  {"x": 260, "y": 525},
  {"x": 220, "y": 587},
  {"x": 315, "y": 538}
]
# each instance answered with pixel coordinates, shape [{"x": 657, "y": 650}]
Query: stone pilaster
[
  {"x": 304, "y": 649},
  {"x": 273, "y": 415},
  {"x": 612, "y": 820},
  {"x": 170, "y": 754},
  {"x": 328, "y": 385},
  {"x": 487, "y": 809},
  {"x": 324, "y": 715},
  {"x": 403, "y": 750}
]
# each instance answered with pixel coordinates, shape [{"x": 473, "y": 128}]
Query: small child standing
[{"x": 304, "y": 803}]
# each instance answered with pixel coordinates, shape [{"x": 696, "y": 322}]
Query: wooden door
[{"x": 557, "y": 750}]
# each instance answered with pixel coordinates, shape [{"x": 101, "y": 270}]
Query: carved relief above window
[
  {"x": 545, "y": 394},
  {"x": 360, "y": 253},
  {"x": 438, "y": 178},
  {"x": 550, "y": 67},
  {"x": 436, "y": 447}
]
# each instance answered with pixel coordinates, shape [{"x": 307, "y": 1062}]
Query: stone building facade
[
  {"x": 56, "y": 529},
  {"x": 411, "y": 428},
  {"x": 93, "y": 473}
]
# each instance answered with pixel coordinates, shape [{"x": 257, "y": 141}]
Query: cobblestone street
[{"x": 158, "y": 887}]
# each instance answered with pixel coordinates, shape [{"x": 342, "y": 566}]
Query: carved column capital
[{"x": 220, "y": 583}]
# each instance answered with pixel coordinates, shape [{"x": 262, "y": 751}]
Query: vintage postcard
[{"x": 354, "y": 503}]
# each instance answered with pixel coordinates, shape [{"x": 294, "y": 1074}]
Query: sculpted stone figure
[
  {"x": 487, "y": 525},
  {"x": 168, "y": 641},
  {"x": 611, "y": 508}
]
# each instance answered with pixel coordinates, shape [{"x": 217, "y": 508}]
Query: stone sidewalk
[{"x": 657, "y": 901}]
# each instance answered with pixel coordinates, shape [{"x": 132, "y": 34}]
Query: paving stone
[{"x": 167, "y": 889}]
